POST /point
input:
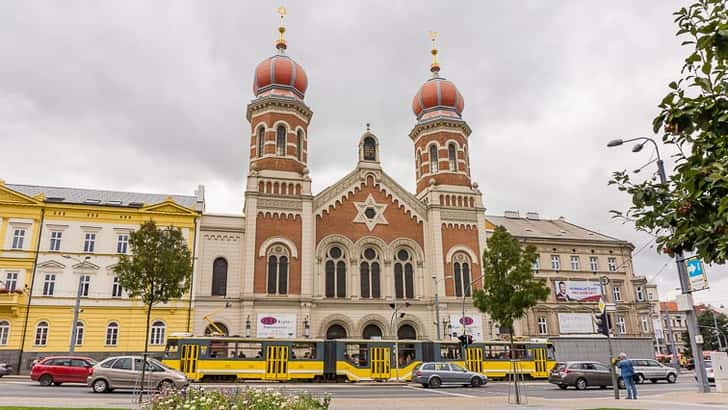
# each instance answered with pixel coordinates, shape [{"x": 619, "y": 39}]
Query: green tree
[
  {"x": 690, "y": 212},
  {"x": 509, "y": 285},
  {"x": 158, "y": 269},
  {"x": 708, "y": 331}
]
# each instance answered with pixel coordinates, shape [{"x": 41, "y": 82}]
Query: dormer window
[{"x": 370, "y": 149}]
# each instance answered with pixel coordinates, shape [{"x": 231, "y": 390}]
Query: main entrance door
[
  {"x": 276, "y": 363},
  {"x": 380, "y": 368}
]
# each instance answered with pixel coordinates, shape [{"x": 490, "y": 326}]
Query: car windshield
[{"x": 457, "y": 367}]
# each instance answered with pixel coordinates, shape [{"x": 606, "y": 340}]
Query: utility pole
[
  {"x": 675, "y": 357},
  {"x": 717, "y": 331},
  {"x": 613, "y": 372},
  {"x": 77, "y": 305}
]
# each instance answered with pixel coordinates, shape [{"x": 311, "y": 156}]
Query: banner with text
[
  {"x": 277, "y": 325},
  {"x": 570, "y": 323},
  {"x": 577, "y": 290},
  {"x": 473, "y": 325}
]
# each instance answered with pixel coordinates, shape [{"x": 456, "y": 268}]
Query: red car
[{"x": 62, "y": 369}]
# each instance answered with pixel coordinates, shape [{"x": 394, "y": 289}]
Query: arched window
[
  {"x": 112, "y": 334},
  {"x": 404, "y": 275},
  {"x": 418, "y": 163},
  {"x": 4, "y": 332},
  {"x": 452, "y": 157},
  {"x": 299, "y": 145},
  {"x": 261, "y": 141},
  {"x": 335, "y": 273},
  {"x": 278, "y": 270},
  {"x": 370, "y": 149},
  {"x": 219, "y": 277},
  {"x": 80, "y": 332},
  {"x": 461, "y": 274},
  {"x": 216, "y": 329},
  {"x": 433, "y": 159},
  {"x": 372, "y": 332},
  {"x": 41, "y": 334},
  {"x": 336, "y": 332},
  {"x": 156, "y": 336},
  {"x": 369, "y": 274},
  {"x": 407, "y": 332},
  {"x": 281, "y": 140}
]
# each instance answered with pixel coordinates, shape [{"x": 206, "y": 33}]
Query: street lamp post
[
  {"x": 77, "y": 305},
  {"x": 437, "y": 303},
  {"x": 466, "y": 289},
  {"x": 682, "y": 272},
  {"x": 717, "y": 331}
]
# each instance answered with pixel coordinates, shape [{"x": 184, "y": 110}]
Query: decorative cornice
[
  {"x": 278, "y": 203},
  {"x": 440, "y": 122},
  {"x": 280, "y": 102}
]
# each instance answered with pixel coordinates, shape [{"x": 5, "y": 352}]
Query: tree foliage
[
  {"x": 690, "y": 212},
  {"x": 707, "y": 329},
  {"x": 159, "y": 267},
  {"x": 510, "y": 287}
]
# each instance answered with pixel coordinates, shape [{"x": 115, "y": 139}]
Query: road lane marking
[{"x": 447, "y": 393}]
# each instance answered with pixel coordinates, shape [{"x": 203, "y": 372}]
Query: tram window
[
  {"x": 247, "y": 350},
  {"x": 357, "y": 354},
  {"x": 406, "y": 354},
  {"x": 303, "y": 351},
  {"x": 449, "y": 351},
  {"x": 219, "y": 349},
  {"x": 170, "y": 350},
  {"x": 495, "y": 352},
  {"x": 550, "y": 353}
]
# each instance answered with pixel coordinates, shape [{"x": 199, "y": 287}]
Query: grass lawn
[{"x": 65, "y": 408}]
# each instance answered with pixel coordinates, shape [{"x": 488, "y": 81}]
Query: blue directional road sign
[{"x": 696, "y": 275}]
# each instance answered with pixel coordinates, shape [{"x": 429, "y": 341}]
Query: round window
[
  {"x": 402, "y": 255},
  {"x": 370, "y": 213},
  {"x": 335, "y": 252},
  {"x": 369, "y": 253}
]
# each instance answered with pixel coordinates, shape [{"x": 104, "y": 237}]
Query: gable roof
[
  {"x": 556, "y": 229},
  {"x": 100, "y": 197}
]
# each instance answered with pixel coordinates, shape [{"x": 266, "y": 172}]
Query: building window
[
  {"x": 11, "y": 281},
  {"x": 612, "y": 262},
  {"x": 452, "y": 157},
  {"x": 18, "y": 238},
  {"x": 650, "y": 295},
  {"x": 299, "y": 145},
  {"x": 281, "y": 140},
  {"x": 594, "y": 263},
  {"x": 41, "y": 334},
  {"x": 79, "y": 333},
  {"x": 89, "y": 242},
  {"x": 116, "y": 288},
  {"x": 112, "y": 334},
  {"x": 403, "y": 275},
  {"x": 645, "y": 323},
  {"x": 461, "y": 274},
  {"x": 85, "y": 284},
  {"x": 555, "y": 262},
  {"x": 56, "y": 240},
  {"x": 536, "y": 265},
  {"x": 122, "y": 244},
  {"x": 640, "y": 294},
  {"x": 261, "y": 141},
  {"x": 156, "y": 336},
  {"x": 4, "y": 332},
  {"x": 575, "y": 263},
  {"x": 370, "y": 149},
  {"x": 621, "y": 326},
  {"x": 418, "y": 163},
  {"x": 617, "y": 291},
  {"x": 433, "y": 159},
  {"x": 335, "y": 273},
  {"x": 219, "y": 277},
  {"x": 369, "y": 273},
  {"x": 542, "y": 326},
  {"x": 278, "y": 270},
  {"x": 49, "y": 284}
]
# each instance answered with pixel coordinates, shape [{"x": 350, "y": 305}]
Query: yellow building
[{"x": 59, "y": 245}]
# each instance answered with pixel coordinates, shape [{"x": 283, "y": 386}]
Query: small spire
[
  {"x": 281, "y": 43},
  {"x": 435, "y": 66}
]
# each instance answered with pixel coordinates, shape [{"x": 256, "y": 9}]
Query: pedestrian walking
[{"x": 626, "y": 370}]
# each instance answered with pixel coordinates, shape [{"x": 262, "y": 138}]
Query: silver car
[
  {"x": 124, "y": 372},
  {"x": 436, "y": 374},
  {"x": 652, "y": 370}
]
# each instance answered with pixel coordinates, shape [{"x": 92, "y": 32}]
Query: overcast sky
[{"x": 151, "y": 96}]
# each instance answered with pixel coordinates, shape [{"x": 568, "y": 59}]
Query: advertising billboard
[
  {"x": 572, "y": 323},
  {"x": 473, "y": 325},
  {"x": 577, "y": 290},
  {"x": 277, "y": 325}
]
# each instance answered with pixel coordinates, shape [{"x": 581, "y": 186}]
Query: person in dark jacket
[{"x": 626, "y": 370}]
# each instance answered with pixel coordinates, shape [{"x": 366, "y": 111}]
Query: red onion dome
[
  {"x": 280, "y": 75},
  {"x": 438, "y": 95}
]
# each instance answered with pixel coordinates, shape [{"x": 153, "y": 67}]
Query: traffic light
[
  {"x": 602, "y": 322},
  {"x": 470, "y": 339},
  {"x": 463, "y": 340}
]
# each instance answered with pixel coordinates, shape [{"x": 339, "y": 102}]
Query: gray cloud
[{"x": 151, "y": 96}]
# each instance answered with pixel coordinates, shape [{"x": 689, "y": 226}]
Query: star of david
[{"x": 370, "y": 213}]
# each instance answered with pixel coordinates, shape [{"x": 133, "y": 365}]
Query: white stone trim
[
  {"x": 276, "y": 239},
  {"x": 461, "y": 248}
]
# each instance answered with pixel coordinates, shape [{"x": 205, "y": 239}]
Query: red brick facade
[
  {"x": 268, "y": 226},
  {"x": 453, "y": 236}
]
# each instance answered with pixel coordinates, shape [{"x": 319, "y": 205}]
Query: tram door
[
  {"x": 474, "y": 359},
  {"x": 379, "y": 359},
  {"x": 188, "y": 360},
  {"x": 539, "y": 362},
  {"x": 276, "y": 363}
]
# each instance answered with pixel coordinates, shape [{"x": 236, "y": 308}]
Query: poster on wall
[
  {"x": 473, "y": 325},
  {"x": 577, "y": 290},
  {"x": 277, "y": 325},
  {"x": 571, "y": 323}
]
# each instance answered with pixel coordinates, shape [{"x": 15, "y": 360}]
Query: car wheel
[
  {"x": 476, "y": 382},
  {"x": 165, "y": 386},
  {"x": 639, "y": 379},
  {"x": 580, "y": 384},
  {"x": 563, "y": 386},
  {"x": 435, "y": 382},
  {"x": 100, "y": 386},
  {"x": 671, "y": 378},
  {"x": 46, "y": 380}
]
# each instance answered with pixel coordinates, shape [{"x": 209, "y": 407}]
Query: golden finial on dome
[
  {"x": 281, "y": 43},
  {"x": 435, "y": 66}
]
